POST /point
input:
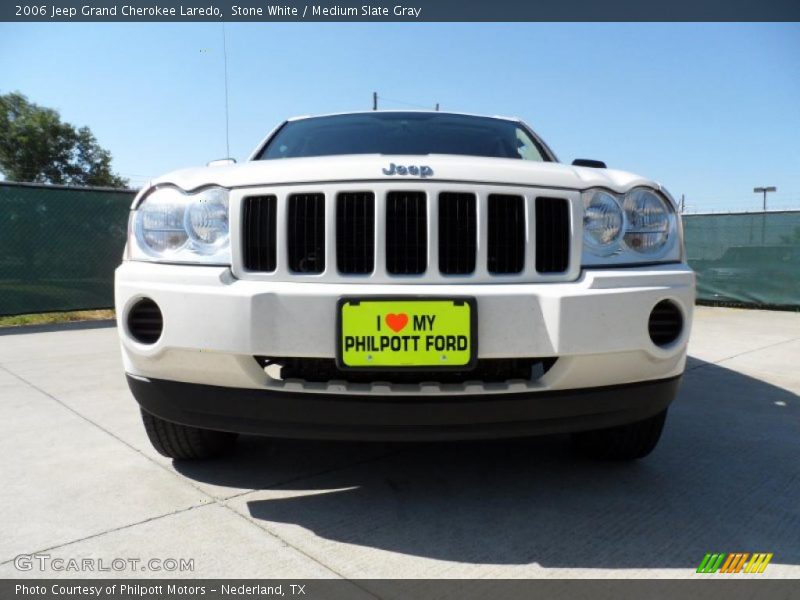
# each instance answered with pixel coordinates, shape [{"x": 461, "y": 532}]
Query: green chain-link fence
[
  {"x": 59, "y": 246},
  {"x": 746, "y": 258}
]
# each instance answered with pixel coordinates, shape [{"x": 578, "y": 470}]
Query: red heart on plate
[{"x": 397, "y": 322}]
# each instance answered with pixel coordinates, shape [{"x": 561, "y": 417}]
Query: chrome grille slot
[
  {"x": 355, "y": 232},
  {"x": 457, "y": 233},
  {"x": 406, "y": 233},
  {"x": 258, "y": 232},
  {"x": 506, "y": 234},
  {"x": 552, "y": 235},
  {"x": 306, "y": 233}
]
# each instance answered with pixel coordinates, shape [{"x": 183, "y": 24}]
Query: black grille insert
[
  {"x": 306, "y": 233},
  {"x": 355, "y": 232},
  {"x": 258, "y": 233},
  {"x": 145, "y": 322},
  {"x": 488, "y": 370},
  {"x": 552, "y": 235},
  {"x": 506, "y": 234},
  {"x": 406, "y": 233},
  {"x": 457, "y": 233},
  {"x": 665, "y": 324}
]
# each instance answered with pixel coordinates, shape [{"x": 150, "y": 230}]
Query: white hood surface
[{"x": 370, "y": 167}]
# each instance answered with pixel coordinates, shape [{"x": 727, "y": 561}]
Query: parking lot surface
[{"x": 80, "y": 480}]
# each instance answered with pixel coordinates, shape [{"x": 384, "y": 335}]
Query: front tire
[
  {"x": 184, "y": 442},
  {"x": 625, "y": 442}
]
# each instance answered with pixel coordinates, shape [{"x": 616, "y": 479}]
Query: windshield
[{"x": 403, "y": 133}]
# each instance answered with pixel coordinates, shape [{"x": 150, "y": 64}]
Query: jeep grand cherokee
[{"x": 404, "y": 276}]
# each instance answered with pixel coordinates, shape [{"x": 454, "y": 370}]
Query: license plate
[{"x": 400, "y": 333}]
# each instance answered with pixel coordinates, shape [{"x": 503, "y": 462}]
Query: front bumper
[
  {"x": 214, "y": 324},
  {"x": 607, "y": 370}
]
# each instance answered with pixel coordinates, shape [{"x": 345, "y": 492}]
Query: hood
[{"x": 371, "y": 167}]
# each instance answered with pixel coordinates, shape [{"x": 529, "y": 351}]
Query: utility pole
[
  {"x": 765, "y": 191},
  {"x": 225, "y": 60},
  {"x": 683, "y": 203},
  {"x": 437, "y": 107},
  {"x": 374, "y": 100}
]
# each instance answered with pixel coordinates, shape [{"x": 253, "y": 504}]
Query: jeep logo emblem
[{"x": 416, "y": 171}]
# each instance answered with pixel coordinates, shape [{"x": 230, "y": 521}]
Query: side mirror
[
  {"x": 587, "y": 162},
  {"x": 221, "y": 162}
]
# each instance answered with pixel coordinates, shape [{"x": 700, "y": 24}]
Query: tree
[{"x": 35, "y": 145}]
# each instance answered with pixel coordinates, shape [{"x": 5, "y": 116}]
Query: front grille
[
  {"x": 306, "y": 233},
  {"x": 380, "y": 235},
  {"x": 457, "y": 233},
  {"x": 552, "y": 235},
  {"x": 487, "y": 370},
  {"x": 355, "y": 232},
  {"x": 406, "y": 233},
  {"x": 506, "y": 234},
  {"x": 258, "y": 233}
]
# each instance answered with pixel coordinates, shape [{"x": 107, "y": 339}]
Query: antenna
[
  {"x": 225, "y": 60},
  {"x": 374, "y": 100}
]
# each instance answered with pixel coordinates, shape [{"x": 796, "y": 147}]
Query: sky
[{"x": 708, "y": 110}]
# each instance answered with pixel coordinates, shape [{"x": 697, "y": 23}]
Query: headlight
[
  {"x": 648, "y": 218},
  {"x": 639, "y": 226},
  {"x": 206, "y": 219},
  {"x": 170, "y": 225},
  {"x": 602, "y": 222}
]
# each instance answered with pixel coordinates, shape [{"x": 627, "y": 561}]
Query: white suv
[{"x": 404, "y": 276}]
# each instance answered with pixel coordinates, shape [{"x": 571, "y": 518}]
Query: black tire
[
  {"x": 626, "y": 442},
  {"x": 183, "y": 442}
]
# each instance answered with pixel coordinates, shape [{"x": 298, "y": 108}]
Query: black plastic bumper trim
[{"x": 279, "y": 413}]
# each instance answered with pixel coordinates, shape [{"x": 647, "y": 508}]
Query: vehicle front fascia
[{"x": 585, "y": 327}]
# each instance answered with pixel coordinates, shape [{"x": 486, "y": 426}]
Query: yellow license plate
[{"x": 398, "y": 333}]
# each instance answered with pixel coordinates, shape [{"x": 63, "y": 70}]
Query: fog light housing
[
  {"x": 665, "y": 324},
  {"x": 145, "y": 321}
]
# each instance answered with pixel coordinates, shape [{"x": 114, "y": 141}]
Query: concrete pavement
[{"x": 80, "y": 480}]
